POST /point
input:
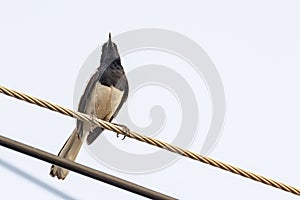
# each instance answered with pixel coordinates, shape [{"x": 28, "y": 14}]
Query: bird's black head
[{"x": 110, "y": 53}]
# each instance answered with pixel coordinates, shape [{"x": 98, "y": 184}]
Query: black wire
[{"x": 81, "y": 169}]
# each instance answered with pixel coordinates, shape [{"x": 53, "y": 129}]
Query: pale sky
[{"x": 254, "y": 45}]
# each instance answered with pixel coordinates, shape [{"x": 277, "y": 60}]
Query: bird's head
[{"x": 109, "y": 52}]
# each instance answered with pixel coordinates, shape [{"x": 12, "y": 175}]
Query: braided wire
[{"x": 149, "y": 140}]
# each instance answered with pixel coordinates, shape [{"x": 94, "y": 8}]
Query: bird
[{"x": 106, "y": 92}]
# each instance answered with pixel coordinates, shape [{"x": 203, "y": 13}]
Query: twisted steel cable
[{"x": 152, "y": 141}]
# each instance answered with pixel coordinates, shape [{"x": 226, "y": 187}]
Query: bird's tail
[{"x": 69, "y": 151}]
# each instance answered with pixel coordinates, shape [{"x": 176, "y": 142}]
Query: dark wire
[{"x": 81, "y": 169}]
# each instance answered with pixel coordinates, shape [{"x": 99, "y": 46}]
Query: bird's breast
[{"x": 104, "y": 101}]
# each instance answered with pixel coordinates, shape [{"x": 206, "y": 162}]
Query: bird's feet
[{"x": 125, "y": 130}]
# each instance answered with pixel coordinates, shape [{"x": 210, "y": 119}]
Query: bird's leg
[{"x": 125, "y": 130}]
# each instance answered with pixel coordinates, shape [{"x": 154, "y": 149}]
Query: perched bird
[{"x": 104, "y": 95}]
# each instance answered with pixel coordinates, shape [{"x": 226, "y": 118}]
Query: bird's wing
[
  {"x": 123, "y": 86},
  {"x": 85, "y": 98}
]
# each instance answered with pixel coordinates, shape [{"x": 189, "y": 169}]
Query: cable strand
[{"x": 151, "y": 141}]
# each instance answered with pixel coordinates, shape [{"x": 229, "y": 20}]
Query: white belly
[{"x": 104, "y": 102}]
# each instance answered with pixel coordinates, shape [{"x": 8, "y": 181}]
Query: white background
[{"x": 255, "y": 46}]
